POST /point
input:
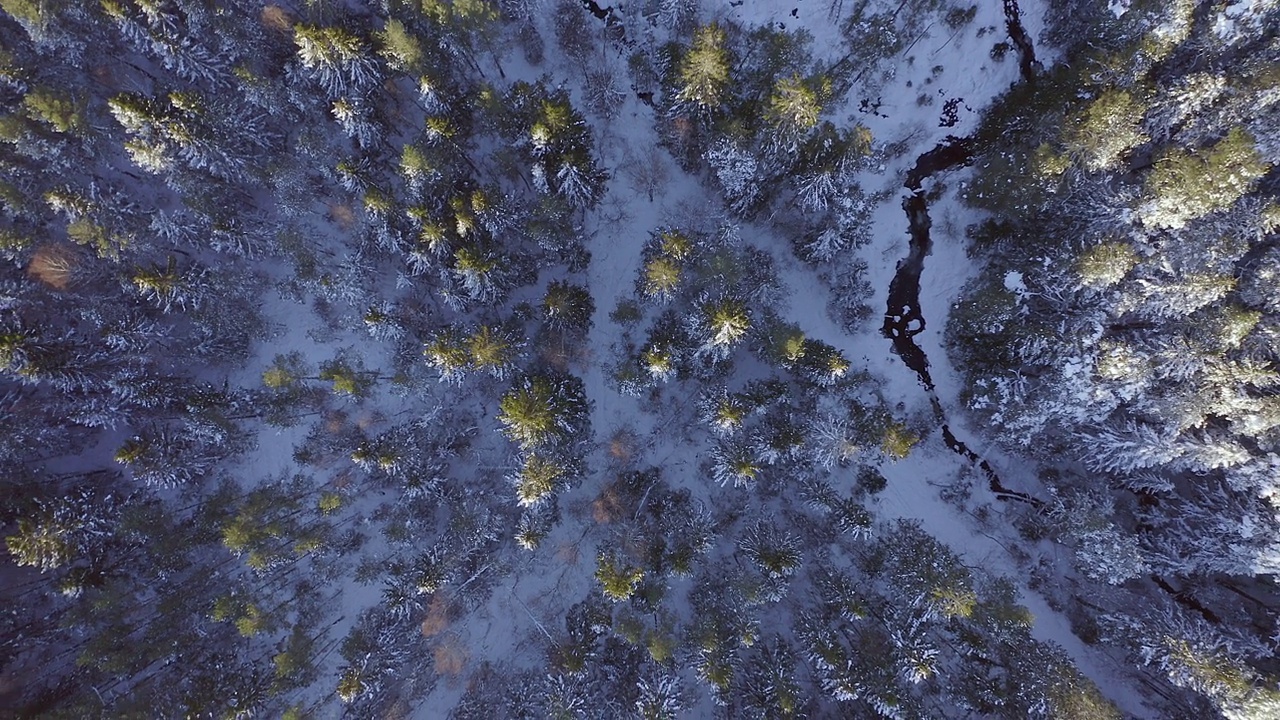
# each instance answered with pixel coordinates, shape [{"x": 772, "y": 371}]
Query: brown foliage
[
  {"x": 607, "y": 507},
  {"x": 277, "y": 18},
  {"x": 450, "y": 658},
  {"x": 437, "y": 620},
  {"x": 341, "y": 215},
  {"x": 53, "y": 265}
]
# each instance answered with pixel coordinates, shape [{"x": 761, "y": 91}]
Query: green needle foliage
[
  {"x": 1188, "y": 184},
  {"x": 617, "y": 579},
  {"x": 704, "y": 69},
  {"x": 542, "y": 410}
]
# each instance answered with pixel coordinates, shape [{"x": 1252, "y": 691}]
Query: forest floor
[{"x": 903, "y": 99}]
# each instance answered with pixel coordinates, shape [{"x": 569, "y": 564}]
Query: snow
[
  {"x": 947, "y": 270},
  {"x": 1241, "y": 19},
  {"x": 529, "y": 602},
  {"x": 911, "y": 495},
  {"x": 1014, "y": 284}
]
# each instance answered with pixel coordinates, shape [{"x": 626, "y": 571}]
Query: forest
[{"x": 483, "y": 359}]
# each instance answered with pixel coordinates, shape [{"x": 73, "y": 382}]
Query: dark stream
[
  {"x": 1027, "y": 63},
  {"x": 594, "y": 8},
  {"x": 903, "y": 319},
  {"x": 609, "y": 17}
]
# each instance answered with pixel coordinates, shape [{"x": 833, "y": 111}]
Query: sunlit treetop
[
  {"x": 1108, "y": 128},
  {"x": 1185, "y": 185},
  {"x": 704, "y": 69},
  {"x": 399, "y": 46},
  {"x": 661, "y": 277},
  {"x": 727, "y": 320},
  {"x": 1105, "y": 265},
  {"x": 796, "y": 103}
]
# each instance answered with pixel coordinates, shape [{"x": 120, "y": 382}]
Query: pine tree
[
  {"x": 381, "y": 321},
  {"x": 351, "y": 686},
  {"x": 492, "y": 350},
  {"x": 62, "y": 112},
  {"x": 1179, "y": 296},
  {"x": 769, "y": 683},
  {"x": 1106, "y": 264},
  {"x": 534, "y": 525},
  {"x": 896, "y": 441},
  {"x": 567, "y": 306},
  {"x": 466, "y": 24},
  {"x": 400, "y": 47},
  {"x": 359, "y": 121},
  {"x": 537, "y": 479},
  {"x": 659, "y": 698},
  {"x": 724, "y": 412},
  {"x": 795, "y": 105},
  {"x": 704, "y": 70},
  {"x": 61, "y": 530},
  {"x": 166, "y": 459},
  {"x": 617, "y": 579},
  {"x": 724, "y": 324},
  {"x": 1186, "y": 185},
  {"x": 447, "y": 352},
  {"x": 339, "y": 60},
  {"x": 541, "y": 410},
  {"x": 775, "y": 552},
  {"x": 170, "y": 289},
  {"x": 738, "y": 172},
  {"x": 478, "y": 268},
  {"x": 661, "y": 278},
  {"x": 1108, "y": 129},
  {"x": 734, "y": 463},
  {"x": 659, "y": 362},
  {"x": 348, "y": 376},
  {"x": 784, "y": 343},
  {"x": 822, "y": 363}
]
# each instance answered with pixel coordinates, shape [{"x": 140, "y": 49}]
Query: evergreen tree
[
  {"x": 166, "y": 458},
  {"x": 537, "y": 479},
  {"x": 722, "y": 324},
  {"x": 447, "y": 353},
  {"x": 775, "y": 553},
  {"x": 171, "y": 289},
  {"x": 735, "y": 463},
  {"x": 542, "y": 410},
  {"x": 661, "y": 278},
  {"x": 660, "y": 698},
  {"x": 1186, "y": 185},
  {"x": 492, "y": 350},
  {"x": 65, "y": 529},
  {"x": 1104, "y": 265},
  {"x": 617, "y": 580},
  {"x": 348, "y": 376},
  {"x": 338, "y": 59},
  {"x": 704, "y": 70},
  {"x": 738, "y": 172},
  {"x": 794, "y": 108},
  {"x": 1108, "y": 128},
  {"x": 567, "y": 306},
  {"x": 400, "y": 47}
]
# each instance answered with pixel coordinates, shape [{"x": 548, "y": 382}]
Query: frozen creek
[{"x": 903, "y": 318}]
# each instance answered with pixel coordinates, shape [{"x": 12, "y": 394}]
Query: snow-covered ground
[
  {"x": 967, "y": 72},
  {"x": 907, "y": 94}
]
